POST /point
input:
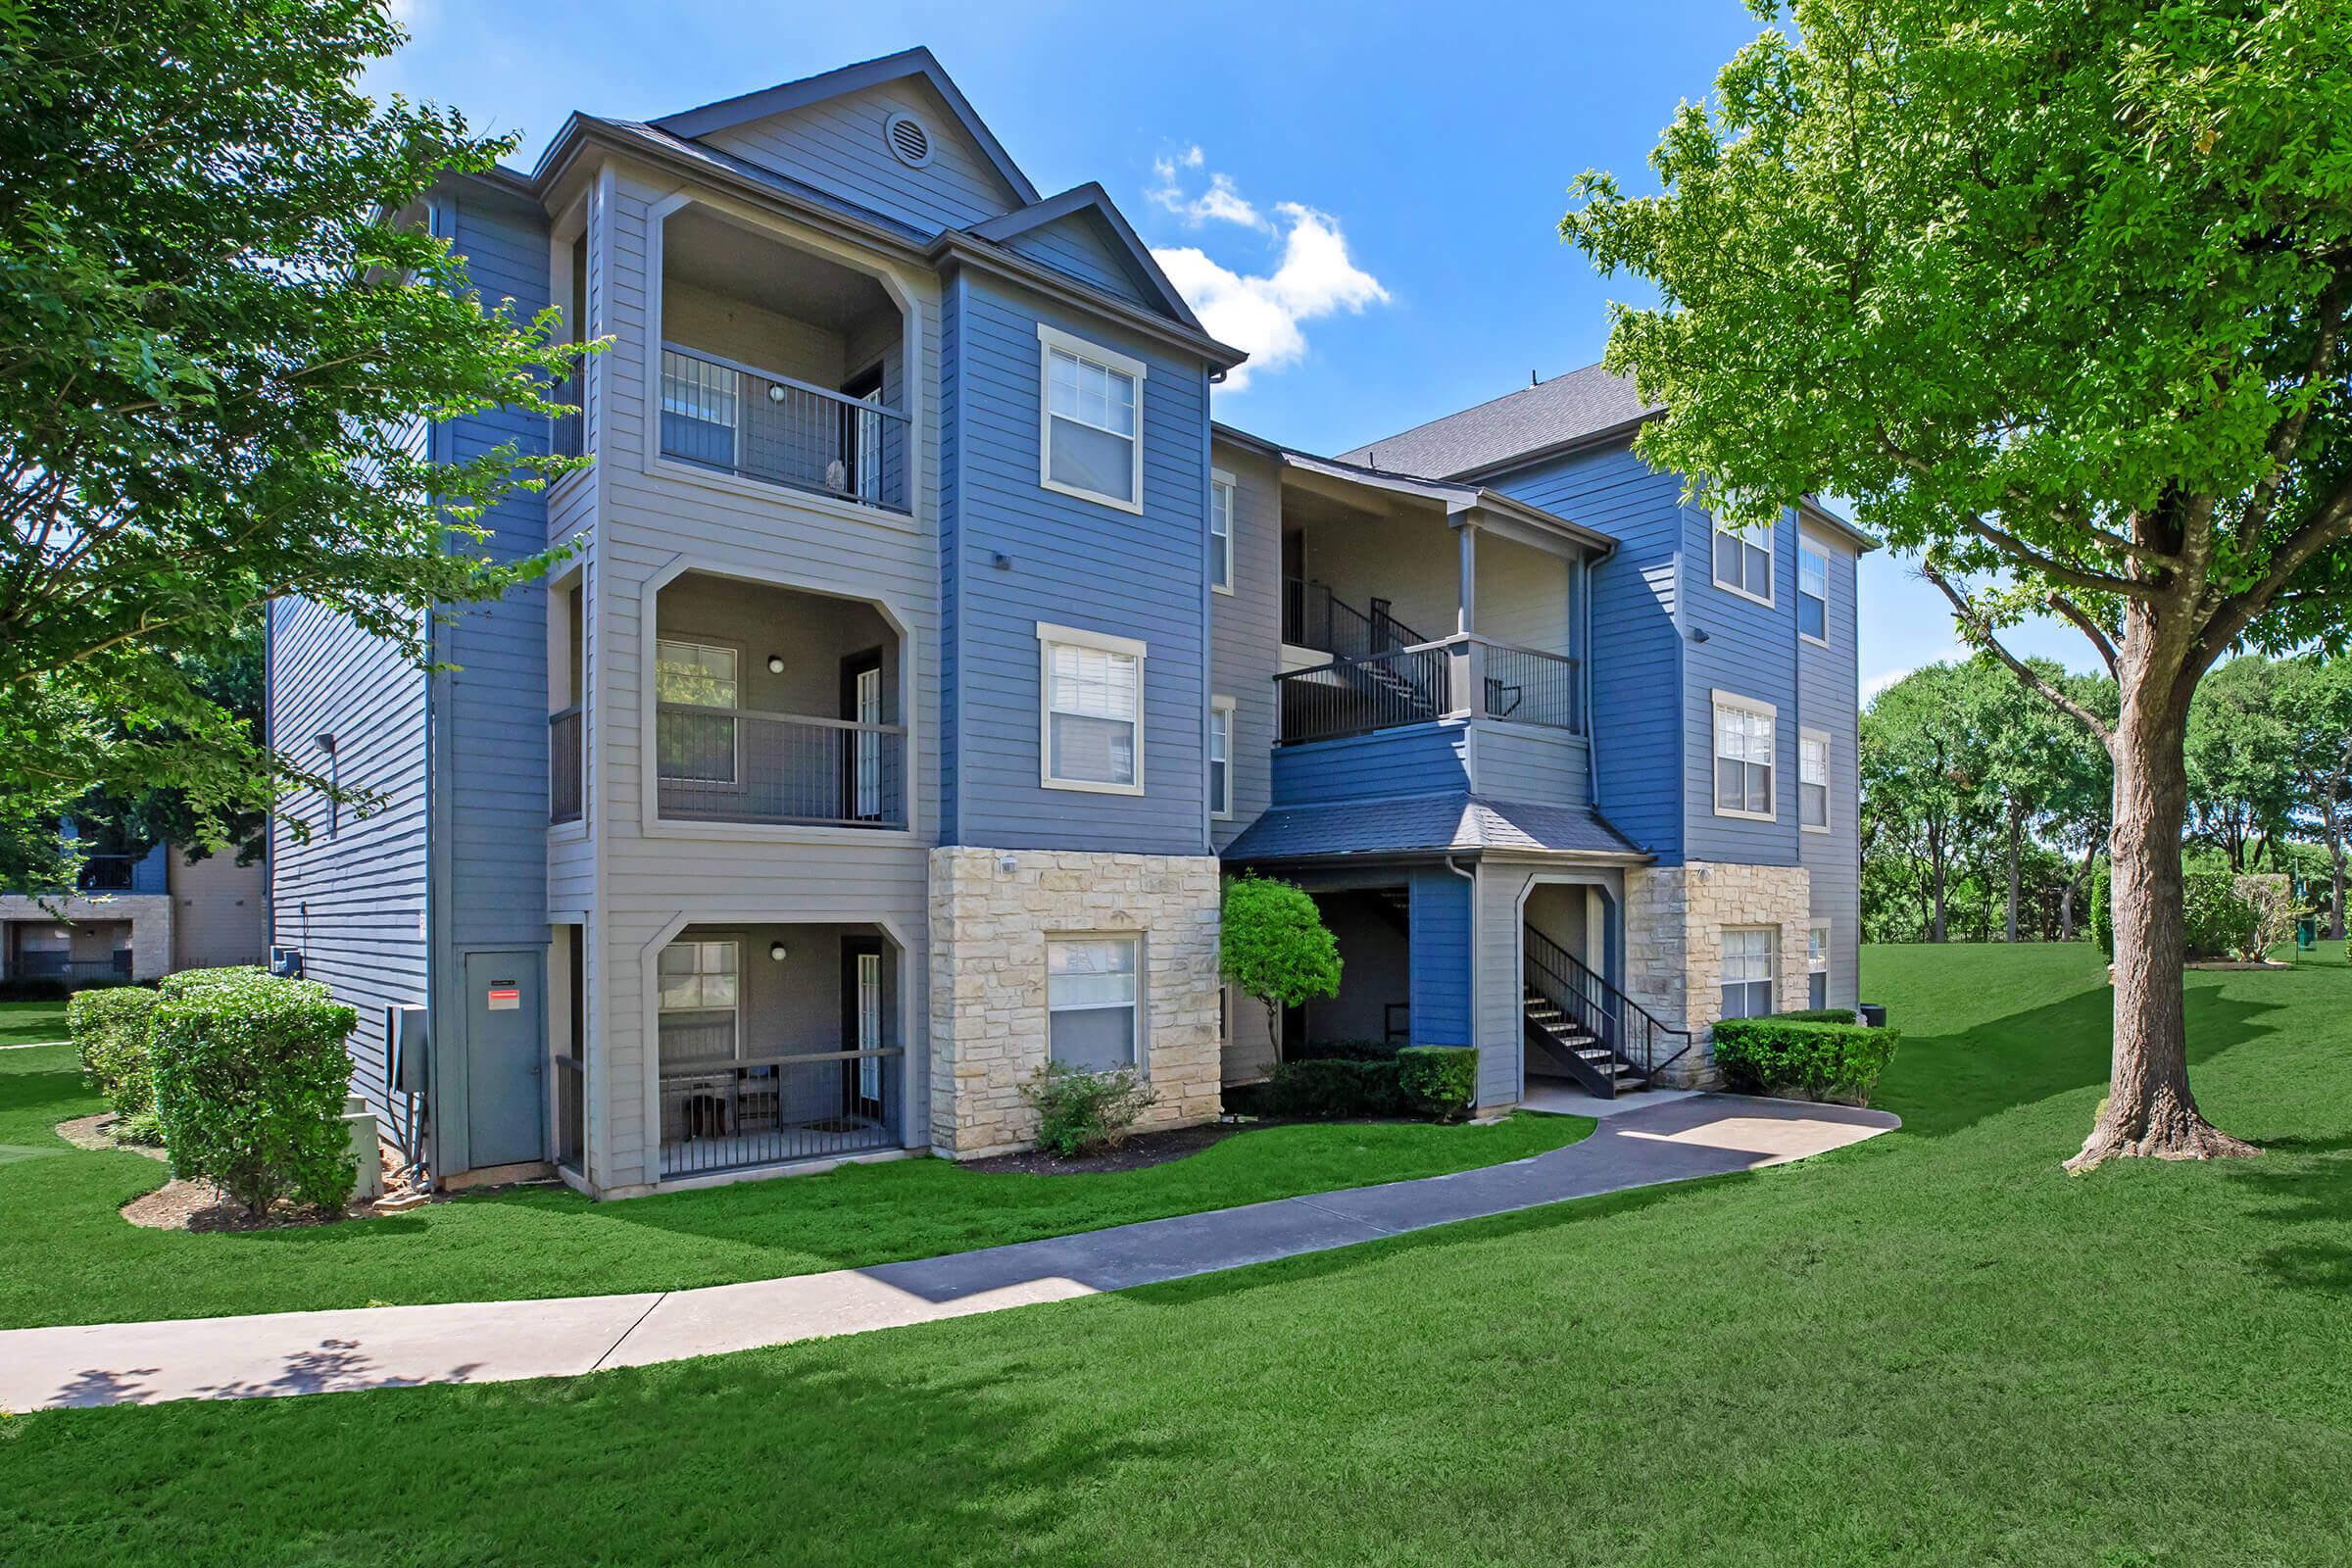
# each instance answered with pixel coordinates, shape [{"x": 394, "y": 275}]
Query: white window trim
[
  {"x": 662, "y": 1011},
  {"x": 1828, "y": 769},
  {"x": 1772, "y": 963},
  {"x": 1772, "y": 563},
  {"x": 1220, "y": 713},
  {"x": 1721, "y": 699},
  {"x": 1135, "y": 1009},
  {"x": 1219, "y": 480},
  {"x": 1048, "y": 340},
  {"x": 1047, "y": 636},
  {"x": 733, "y": 782},
  {"x": 1811, "y": 542},
  {"x": 1822, "y": 929}
]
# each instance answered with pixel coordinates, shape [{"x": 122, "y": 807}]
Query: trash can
[
  {"x": 1874, "y": 1014},
  {"x": 2307, "y": 933}
]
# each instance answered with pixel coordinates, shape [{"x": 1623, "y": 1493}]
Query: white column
[{"x": 1466, "y": 614}]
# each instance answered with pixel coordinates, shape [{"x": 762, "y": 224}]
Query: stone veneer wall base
[
  {"x": 991, "y": 913},
  {"x": 1674, "y": 919}
]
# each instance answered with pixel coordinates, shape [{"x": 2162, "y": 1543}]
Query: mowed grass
[
  {"x": 66, "y": 1255},
  {"x": 25, "y": 1023},
  {"x": 1930, "y": 1349}
]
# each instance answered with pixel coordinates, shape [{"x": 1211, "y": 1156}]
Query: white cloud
[{"x": 1313, "y": 278}]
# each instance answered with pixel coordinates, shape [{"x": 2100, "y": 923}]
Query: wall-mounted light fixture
[
  {"x": 775, "y": 663},
  {"x": 775, "y": 951},
  {"x": 775, "y": 392}
]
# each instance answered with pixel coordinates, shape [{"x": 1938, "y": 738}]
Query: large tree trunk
[
  {"x": 1935, "y": 851},
  {"x": 2150, "y": 1109}
]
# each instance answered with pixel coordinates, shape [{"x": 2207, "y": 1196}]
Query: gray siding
[
  {"x": 1245, "y": 632},
  {"x": 353, "y": 897},
  {"x": 1078, "y": 245},
  {"x": 1074, "y": 562},
  {"x": 837, "y": 146}
]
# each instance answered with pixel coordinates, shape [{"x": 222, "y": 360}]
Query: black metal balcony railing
[
  {"x": 731, "y": 765},
  {"x": 37, "y": 964},
  {"x": 568, "y": 433},
  {"x": 565, "y": 765},
  {"x": 763, "y": 1110},
  {"x": 1314, "y": 616},
  {"x": 107, "y": 873},
  {"x": 571, "y": 1113},
  {"x": 1464, "y": 677},
  {"x": 764, "y": 427}
]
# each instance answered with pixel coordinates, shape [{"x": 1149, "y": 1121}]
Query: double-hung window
[
  {"x": 1748, "y": 970},
  {"x": 1220, "y": 756},
  {"x": 1812, "y": 590},
  {"x": 1743, "y": 561},
  {"x": 1817, "y": 967},
  {"x": 1813, "y": 780},
  {"x": 1220, "y": 531},
  {"x": 701, "y": 989},
  {"x": 1089, "y": 1001},
  {"x": 1743, "y": 757},
  {"x": 1092, "y": 730},
  {"x": 1091, "y": 444},
  {"x": 695, "y": 684}
]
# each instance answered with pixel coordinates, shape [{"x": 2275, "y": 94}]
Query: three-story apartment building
[{"x": 922, "y": 653}]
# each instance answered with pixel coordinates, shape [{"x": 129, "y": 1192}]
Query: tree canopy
[
  {"x": 225, "y": 325},
  {"x": 2055, "y": 293}
]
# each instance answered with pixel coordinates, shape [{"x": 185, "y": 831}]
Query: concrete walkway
[{"x": 482, "y": 1342}]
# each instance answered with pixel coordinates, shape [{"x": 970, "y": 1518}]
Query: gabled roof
[
  {"x": 1091, "y": 199},
  {"x": 915, "y": 62},
  {"x": 1558, "y": 413},
  {"x": 1453, "y": 822}
]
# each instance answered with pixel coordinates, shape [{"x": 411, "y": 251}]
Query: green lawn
[
  {"x": 71, "y": 1259},
  {"x": 1930, "y": 1348},
  {"x": 22, "y": 1023}
]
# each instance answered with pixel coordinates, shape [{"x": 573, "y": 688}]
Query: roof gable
[
  {"x": 828, "y": 131},
  {"x": 1082, "y": 233}
]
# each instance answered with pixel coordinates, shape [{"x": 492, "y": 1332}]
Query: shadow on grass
[
  {"x": 748, "y": 1459},
  {"x": 1944, "y": 1084},
  {"x": 2304, "y": 1181}
]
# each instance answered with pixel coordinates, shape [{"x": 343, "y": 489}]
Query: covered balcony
[
  {"x": 777, "y": 706},
  {"x": 778, "y": 1043},
  {"x": 780, "y": 366}
]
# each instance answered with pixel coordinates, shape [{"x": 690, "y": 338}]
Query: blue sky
[{"x": 1367, "y": 196}]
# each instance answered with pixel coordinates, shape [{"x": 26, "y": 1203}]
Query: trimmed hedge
[
  {"x": 250, "y": 1079},
  {"x": 1335, "y": 1087},
  {"x": 1777, "y": 1055},
  {"x": 1820, "y": 1015},
  {"x": 110, "y": 1030},
  {"x": 1438, "y": 1082}
]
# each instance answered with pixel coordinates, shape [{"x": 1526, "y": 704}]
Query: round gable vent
[{"x": 907, "y": 139}]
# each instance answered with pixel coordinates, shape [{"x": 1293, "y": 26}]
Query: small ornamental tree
[
  {"x": 2056, "y": 295},
  {"x": 1275, "y": 947}
]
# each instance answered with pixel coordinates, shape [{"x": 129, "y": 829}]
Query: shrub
[
  {"x": 250, "y": 1079},
  {"x": 1272, "y": 945},
  {"x": 1819, "y": 1015},
  {"x": 1335, "y": 1087},
  {"x": 2216, "y": 919},
  {"x": 1079, "y": 1112},
  {"x": 188, "y": 980},
  {"x": 2272, "y": 909},
  {"x": 42, "y": 989},
  {"x": 110, "y": 1030},
  {"x": 1346, "y": 1051},
  {"x": 1777, "y": 1055},
  {"x": 1440, "y": 1082}
]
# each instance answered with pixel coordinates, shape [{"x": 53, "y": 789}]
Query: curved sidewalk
[{"x": 484, "y": 1342}]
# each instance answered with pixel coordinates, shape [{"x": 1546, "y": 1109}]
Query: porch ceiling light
[
  {"x": 775, "y": 951},
  {"x": 775, "y": 663},
  {"x": 775, "y": 392}
]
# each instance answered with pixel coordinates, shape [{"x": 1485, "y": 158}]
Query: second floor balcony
[{"x": 1462, "y": 677}]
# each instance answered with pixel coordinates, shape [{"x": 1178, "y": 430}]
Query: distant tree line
[{"x": 1986, "y": 809}]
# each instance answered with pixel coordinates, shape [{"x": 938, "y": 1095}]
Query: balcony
[
  {"x": 565, "y": 765},
  {"x": 780, "y": 367},
  {"x": 1314, "y": 616},
  {"x": 1455, "y": 677},
  {"x": 777, "y": 706}
]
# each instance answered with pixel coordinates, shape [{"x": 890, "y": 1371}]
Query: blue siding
[
  {"x": 838, "y": 147},
  {"x": 1439, "y": 981},
  {"x": 1749, "y": 649},
  {"x": 950, "y": 560},
  {"x": 1077, "y": 245},
  {"x": 1424, "y": 759},
  {"x": 492, "y": 707},
  {"x": 1637, "y": 648},
  {"x": 1076, "y": 564}
]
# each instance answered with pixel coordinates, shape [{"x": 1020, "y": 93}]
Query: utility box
[{"x": 408, "y": 1051}]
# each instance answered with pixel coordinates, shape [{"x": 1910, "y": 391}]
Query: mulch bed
[
  {"x": 1138, "y": 1151},
  {"x": 186, "y": 1205}
]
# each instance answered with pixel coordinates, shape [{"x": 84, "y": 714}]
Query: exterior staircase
[{"x": 1575, "y": 1022}]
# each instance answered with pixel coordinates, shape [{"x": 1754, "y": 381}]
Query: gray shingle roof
[
  {"x": 1564, "y": 408},
  {"x": 1454, "y": 823}
]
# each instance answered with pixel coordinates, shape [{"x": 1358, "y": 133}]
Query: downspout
[{"x": 1584, "y": 617}]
